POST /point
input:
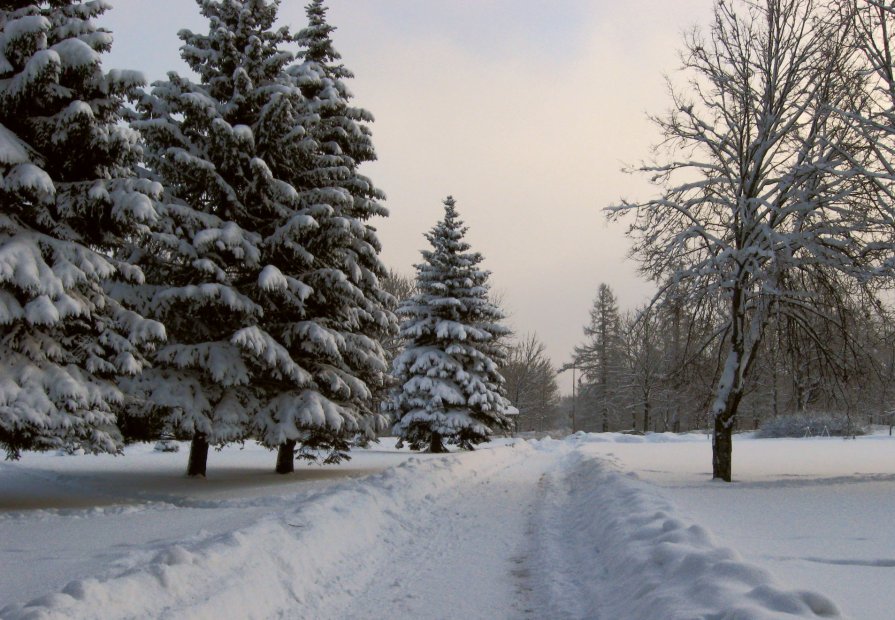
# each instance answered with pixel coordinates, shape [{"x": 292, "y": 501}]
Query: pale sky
[{"x": 524, "y": 110}]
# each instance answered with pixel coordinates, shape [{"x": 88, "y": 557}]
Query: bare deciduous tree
[
  {"x": 531, "y": 385},
  {"x": 644, "y": 364},
  {"x": 757, "y": 205}
]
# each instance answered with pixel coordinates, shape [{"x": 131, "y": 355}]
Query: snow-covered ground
[
  {"x": 596, "y": 526},
  {"x": 815, "y": 512}
]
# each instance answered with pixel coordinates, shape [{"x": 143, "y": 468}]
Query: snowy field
[{"x": 595, "y": 526}]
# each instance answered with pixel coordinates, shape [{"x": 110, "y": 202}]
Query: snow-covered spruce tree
[
  {"x": 68, "y": 203},
  {"x": 204, "y": 267},
  {"x": 449, "y": 388},
  {"x": 345, "y": 244},
  {"x": 286, "y": 345}
]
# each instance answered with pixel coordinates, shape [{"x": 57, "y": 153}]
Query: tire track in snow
[{"x": 563, "y": 566}]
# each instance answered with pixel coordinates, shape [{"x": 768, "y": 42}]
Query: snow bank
[
  {"x": 583, "y": 437},
  {"x": 633, "y": 558},
  {"x": 291, "y": 564}
]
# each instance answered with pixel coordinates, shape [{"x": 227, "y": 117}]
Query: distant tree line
[{"x": 655, "y": 369}]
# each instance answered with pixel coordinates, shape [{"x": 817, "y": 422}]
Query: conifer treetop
[
  {"x": 317, "y": 46},
  {"x": 342, "y": 130}
]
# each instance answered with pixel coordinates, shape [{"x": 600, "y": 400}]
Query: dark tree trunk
[
  {"x": 722, "y": 449},
  {"x": 436, "y": 446},
  {"x": 730, "y": 388},
  {"x": 646, "y": 416},
  {"x": 722, "y": 438},
  {"x": 286, "y": 457},
  {"x": 198, "y": 456}
]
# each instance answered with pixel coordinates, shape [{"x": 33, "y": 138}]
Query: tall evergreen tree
[
  {"x": 450, "y": 388},
  {"x": 600, "y": 358},
  {"x": 70, "y": 203},
  {"x": 287, "y": 348},
  {"x": 204, "y": 268},
  {"x": 345, "y": 245}
]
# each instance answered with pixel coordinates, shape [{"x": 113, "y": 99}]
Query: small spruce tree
[
  {"x": 450, "y": 390},
  {"x": 70, "y": 206}
]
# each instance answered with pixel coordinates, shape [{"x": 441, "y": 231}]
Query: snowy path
[
  {"x": 461, "y": 553},
  {"x": 534, "y": 530},
  {"x": 545, "y": 531}
]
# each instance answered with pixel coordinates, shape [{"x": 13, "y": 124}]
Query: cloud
[{"x": 495, "y": 30}]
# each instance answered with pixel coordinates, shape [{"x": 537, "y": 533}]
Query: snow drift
[{"x": 635, "y": 558}]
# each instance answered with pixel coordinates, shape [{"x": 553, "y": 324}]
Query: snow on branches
[
  {"x": 760, "y": 206},
  {"x": 264, "y": 238},
  {"x": 71, "y": 212},
  {"x": 450, "y": 390}
]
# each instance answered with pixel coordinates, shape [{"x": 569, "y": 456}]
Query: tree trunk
[
  {"x": 436, "y": 446},
  {"x": 646, "y": 415},
  {"x": 722, "y": 448},
  {"x": 286, "y": 457},
  {"x": 730, "y": 386},
  {"x": 724, "y": 412},
  {"x": 722, "y": 437},
  {"x": 198, "y": 456}
]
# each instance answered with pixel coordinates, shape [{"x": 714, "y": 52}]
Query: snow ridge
[{"x": 611, "y": 543}]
